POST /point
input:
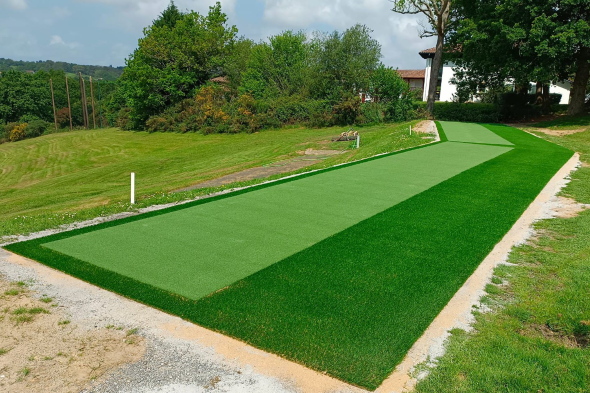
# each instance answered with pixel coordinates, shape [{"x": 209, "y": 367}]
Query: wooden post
[
  {"x": 69, "y": 105},
  {"x": 99, "y": 104},
  {"x": 53, "y": 101},
  {"x": 92, "y": 100},
  {"x": 84, "y": 100}
]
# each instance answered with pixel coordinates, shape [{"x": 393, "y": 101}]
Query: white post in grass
[
  {"x": 358, "y": 141},
  {"x": 132, "y": 188},
  {"x": 410, "y": 130}
]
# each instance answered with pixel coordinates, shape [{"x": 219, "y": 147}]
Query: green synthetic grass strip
[
  {"x": 354, "y": 303},
  {"x": 198, "y": 250},
  {"x": 471, "y": 133}
]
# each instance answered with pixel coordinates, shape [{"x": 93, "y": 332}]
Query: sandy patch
[
  {"x": 559, "y": 132},
  {"x": 44, "y": 352},
  {"x": 562, "y": 207}
]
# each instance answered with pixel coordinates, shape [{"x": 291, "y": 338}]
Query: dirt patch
[
  {"x": 567, "y": 207},
  {"x": 42, "y": 351},
  {"x": 549, "y": 131},
  {"x": 309, "y": 157},
  {"x": 424, "y": 127}
]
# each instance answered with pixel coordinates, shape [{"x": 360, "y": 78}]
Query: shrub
[
  {"x": 63, "y": 117},
  {"x": 36, "y": 128},
  {"x": 18, "y": 132},
  {"x": 469, "y": 112},
  {"x": 373, "y": 113},
  {"x": 347, "y": 110}
]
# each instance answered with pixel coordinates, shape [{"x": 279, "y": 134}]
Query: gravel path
[{"x": 180, "y": 357}]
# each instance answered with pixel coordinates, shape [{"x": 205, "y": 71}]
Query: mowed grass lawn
[
  {"x": 341, "y": 270},
  {"x": 66, "y": 177}
]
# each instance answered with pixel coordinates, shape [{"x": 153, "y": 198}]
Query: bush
[
  {"x": 372, "y": 113},
  {"x": 36, "y": 128},
  {"x": 468, "y": 112},
  {"x": 347, "y": 110},
  {"x": 18, "y": 133}
]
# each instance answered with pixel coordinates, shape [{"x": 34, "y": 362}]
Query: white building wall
[
  {"x": 562, "y": 88},
  {"x": 427, "y": 79},
  {"x": 447, "y": 89}
]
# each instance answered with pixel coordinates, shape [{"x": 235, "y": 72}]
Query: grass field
[
  {"x": 68, "y": 177},
  {"x": 341, "y": 270},
  {"x": 537, "y": 339}
]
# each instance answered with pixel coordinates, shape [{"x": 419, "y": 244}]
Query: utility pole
[
  {"x": 53, "y": 101},
  {"x": 92, "y": 100},
  {"x": 69, "y": 105},
  {"x": 84, "y": 100}
]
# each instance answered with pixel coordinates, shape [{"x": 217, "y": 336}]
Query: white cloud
[
  {"x": 398, "y": 34},
  {"x": 14, "y": 4},
  {"x": 137, "y": 14},
  {"x": 57, "y": 40}
]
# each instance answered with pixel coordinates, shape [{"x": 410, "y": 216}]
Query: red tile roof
[{"x": 412, "y": 74}]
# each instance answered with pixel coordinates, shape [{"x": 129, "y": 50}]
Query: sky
[{"x": 105, "y": 32}]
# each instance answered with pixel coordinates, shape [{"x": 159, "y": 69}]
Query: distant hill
[{"x": 109, "y": 73}]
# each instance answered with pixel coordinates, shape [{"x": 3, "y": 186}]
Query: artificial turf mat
[
  {"x": 353, "y": 304},
  {"x": 198, "y": 250},
  {"x": 471, "y": 133}
]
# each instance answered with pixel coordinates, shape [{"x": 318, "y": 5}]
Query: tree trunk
[
  {"x": 539, "y": 92},
  {"x": 546, "y": 99},
  {"x": 578, "y": 94},
  {"x": 434, "y": 71}
]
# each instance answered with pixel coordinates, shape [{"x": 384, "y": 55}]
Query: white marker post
[
  {"x": 358, "y": 141},
  {"x": 410, "y": 130},
  {"x": 132, "y": 188}
]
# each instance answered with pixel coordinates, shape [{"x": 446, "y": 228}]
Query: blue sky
[{"x": 105, "y": 32}]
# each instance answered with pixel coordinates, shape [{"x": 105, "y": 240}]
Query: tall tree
[
  {"x": 169, "y": 17},
  {"x": 342, "y": 63},
  {"x": 438, "y": 14},
  {"x": 525, "y": 40},
  {"x": 277, "y": 68},
  {"x": 171, "y": 63}
]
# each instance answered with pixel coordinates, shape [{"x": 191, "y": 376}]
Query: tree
[
  {"x": 237, "y": 62},
  {"x": 169, "y": 17},
  {"x": 438, "y": 13},
  {"x": 171, "y": 63},
  {"x": 22, "y": 94},
  {"x": 342, "y": 63},
  {"x": 277, "y": 68},
  {"x": 523, "y": 41}
]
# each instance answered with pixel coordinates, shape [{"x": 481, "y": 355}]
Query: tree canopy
[
  {"x": 171, "y": 62},
  {"x": 523, "y": 40}
]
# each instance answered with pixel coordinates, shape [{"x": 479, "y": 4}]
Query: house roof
[
  {"x": 429, "y": 53},
  {"x": 412, "y": 74}
]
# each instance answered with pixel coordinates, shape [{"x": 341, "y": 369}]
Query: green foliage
[
  {"x": 171, "y": 63},
  {"x": 277, "y": 68},
  {"x": 109, "y": 73},
  {"x": 36, "y": 128},
  {"x": 468, "y": 112},
  {"x": 24, "y": 94},
  {"x": 342, "y": 63},
  {"x": 524, "y": 41},
  {"x": 347, "y": 110},
  {"x": 169, "y": 17}
]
